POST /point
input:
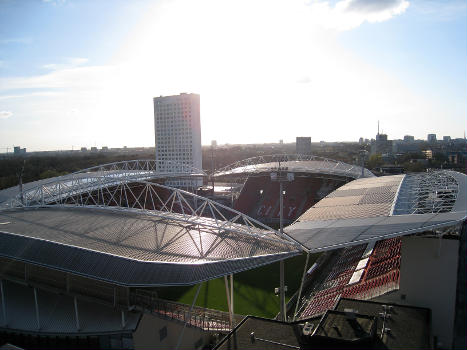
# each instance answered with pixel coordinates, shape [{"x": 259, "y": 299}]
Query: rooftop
[
  {"x": 131, "y": 247},
  {"x": 353, "y": 324},
  {"x": 293, "y": 163},
  {"x": 371, "y": 209}
]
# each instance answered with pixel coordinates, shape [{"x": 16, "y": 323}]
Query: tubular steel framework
[
  {"x": 319, "y": 164},
  {"x": 127, "y": 194},
  {"x": 434, "y": 192},
  {"x": 107, "y": 174}
]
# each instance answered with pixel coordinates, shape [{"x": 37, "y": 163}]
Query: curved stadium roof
[
  {"x": 294, "y": 163},
  {"x": 106, "y": 231},
  {"x": 382, "y": 207},
  {"x": 144, "y": 169}
]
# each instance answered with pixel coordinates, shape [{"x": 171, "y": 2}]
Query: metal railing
[{"x": 200, "y": 317}]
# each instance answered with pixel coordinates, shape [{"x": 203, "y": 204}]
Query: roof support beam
[
  {"x": 38, "y": 320},
  {"x": 301, "y": 287},
  {"x": 232, "y": 301},
  {"x": 76, "y": 313},
  {"x": 228, "y": 300},
  {"x": 2, "y": 291},
  {"x": 189, "y": 317}
]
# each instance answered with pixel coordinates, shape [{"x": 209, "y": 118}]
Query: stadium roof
[
  {"x": 382, "y": 207},
  {"x": 294, "y": 163},
  {"x": 111, "y": 235},
  {"x": 109, "y": 173}
]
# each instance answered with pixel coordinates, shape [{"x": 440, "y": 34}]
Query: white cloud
[
  {"x": 16, "y": 41},
  {"x": 85, "y": 77},
  {"x": 436, "y": 10},
  {"x": 349, "y": 14},
  {"x": 69, "y": 63},
  {"x": 33, "y": 94},
  {"x": 5, "y": 114},
  {"x": 54, "y": 2}
]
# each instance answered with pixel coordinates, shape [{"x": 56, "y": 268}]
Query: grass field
[{"x": 253, "y": 289}]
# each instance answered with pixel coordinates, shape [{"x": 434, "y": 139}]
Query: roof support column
[
  {"x": 232, "y": 301},
  {"x": 76, "y": 313},
  {"x": 189, "y": 317},
  {"x": 123, "y": 319},
  {"x": 2, "y": 291},
  {"x": 281, "y": 263},
  {"x": 301, "y": 287},
  {"x": 38, "y": 321},
  {"x": 283, "y": 316},
  {"x": 228, "y": 301}
]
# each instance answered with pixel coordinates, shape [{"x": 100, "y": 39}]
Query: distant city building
[
  {"x": 214, "y": 143},
  {"x": 428, "y": 154},
  {"x": 93, "y": 149},
  {"x": 381, "y": 145},
  {"x": 178, "y": 132},
  {"x": 447, "y": 138},
  {"x": 431, "y": 138},
  {"x": 303, "y": 145},
  {"x": 84, "y": 149},
  {"x": 360, "y": 141},
  {"x": 105, "y": 149},
  {"x": 281, "y": 142},
  {"x": 17, "y": 150},
  {"x": 409, "y": 138}
]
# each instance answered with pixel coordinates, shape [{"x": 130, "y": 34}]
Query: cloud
[
  {"x": 349, "y": 14},
  {"x": 70, "y": 63},
  {"x": 33, "y": 94},
  {"x": 54, "y": 2},
  {"x": 5, "y": 114},
  {"x": 304, "y": 80},
  {"x": 85, "y": 77},
  {"x": 16, "y": 41},
  {"x": 441, "y": 10}
]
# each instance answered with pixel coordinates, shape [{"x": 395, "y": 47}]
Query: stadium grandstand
[
  {"x": 307, "y": 180},
  {"x": 81, "y": 253},
  {"x": 81, "y": 256},
  {"x": 394, "y": 239}
]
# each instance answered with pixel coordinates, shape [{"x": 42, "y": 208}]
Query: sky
[{"x": 82, "y": 73}]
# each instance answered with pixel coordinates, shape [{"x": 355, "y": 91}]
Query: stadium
[{"x": 83, "y": 255}]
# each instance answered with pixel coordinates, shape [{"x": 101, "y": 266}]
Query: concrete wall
[
  {"x": 157, "y": 333},
  {"x": 428, "y": 278}
]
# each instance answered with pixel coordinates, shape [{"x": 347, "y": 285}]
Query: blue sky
[{"x": 83, "y": 73}]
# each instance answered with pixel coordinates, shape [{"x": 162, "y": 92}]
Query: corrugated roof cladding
[
  {"x": 372, "y": 209},
  {"x": 130, "y": 248}
]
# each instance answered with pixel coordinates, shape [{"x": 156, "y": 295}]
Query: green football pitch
[{"x": 253, "y": 289}]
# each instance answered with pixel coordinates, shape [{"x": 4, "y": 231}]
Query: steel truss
[
  {"x": 432, "y": 192},
  {"x": 324, "y": 165},
  {"x": 111, "y": 173},
  {"x": 143, "y": 167},
  {"x": 129, "y": 195}
]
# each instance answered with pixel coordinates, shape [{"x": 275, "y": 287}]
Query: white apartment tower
[{"x": 177, "y": 132}]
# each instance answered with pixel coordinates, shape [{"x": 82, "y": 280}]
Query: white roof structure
[
  {"x": 377, "y": 208},
  {"x": 134, "y": 232},
  {"x": 93, "y": 177},
  {"x": 298, "y": 163}
]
